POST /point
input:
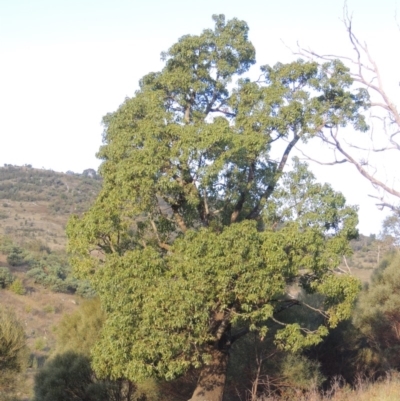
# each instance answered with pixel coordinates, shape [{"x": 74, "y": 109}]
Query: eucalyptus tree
[{"x": 198, "y": 233}]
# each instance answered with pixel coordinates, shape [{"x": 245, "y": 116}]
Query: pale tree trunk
[{"x": 210, "y": 386}]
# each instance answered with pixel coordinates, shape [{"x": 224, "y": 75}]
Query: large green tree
[{"x": 197, "y": 233}]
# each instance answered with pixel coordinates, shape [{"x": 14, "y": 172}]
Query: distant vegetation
[
  {"x": 35, "y": 204},
  {"x": 368, "y": 251},
  {"x": 61, "y": 193}
]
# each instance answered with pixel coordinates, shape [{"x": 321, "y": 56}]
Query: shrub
[
  {"x": 13, "y": 350},
  {"x": 40, "y": 344},
  {"x": 301, "y": 373},
  {"x": 377, "y": 314},
  {"x": 16, "y": 256},
  {"x": 68, "y": 377},
  {"x": 6, "y": 278},
  {"x": 49, "y": 309},
  {"x": 17, "y": 287},
  {"x": 6, "y": 245},
  {"x": 85, "y": 290},
  {"x": 80, "y": 330},
  {"x": 51, "y": 269}
]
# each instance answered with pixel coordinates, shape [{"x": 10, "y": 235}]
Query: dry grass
[
  {"x": 39, "y": 310},
  {"x": 387, "y": 389},
  {"x": 26, "y": 221},
  {"x": 363, "y": 274}
]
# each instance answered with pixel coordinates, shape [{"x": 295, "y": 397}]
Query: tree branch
[
  {"x": 254, "y": 214},
  {"x": 161, "y": 244},
  {"x": 364, "y": 172},
  {"x": 242, "y": 198},
  {"x": 178, "y": 218}
]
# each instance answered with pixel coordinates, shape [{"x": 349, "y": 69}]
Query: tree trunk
[{"x": 210, "y": 386}]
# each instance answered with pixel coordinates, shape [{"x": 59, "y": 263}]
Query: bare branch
[
  {"x": 321, "y": 312},
  {"x": 365, "y": 173},
  {"x": 345, "y": 262},
  {"x": 319, "y": 162},
  {"x": 381, "y": 205},
  {"x": 365, "y": 72},
  {"x": 371, "y": 149}
]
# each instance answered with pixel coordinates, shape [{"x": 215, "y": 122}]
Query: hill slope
[{"x": 36, "y": 204}]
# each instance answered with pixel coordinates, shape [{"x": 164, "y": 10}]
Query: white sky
[{"x": 65, "y": 63}]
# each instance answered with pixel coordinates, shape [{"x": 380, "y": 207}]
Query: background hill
[{"x": 35, "y": 204}]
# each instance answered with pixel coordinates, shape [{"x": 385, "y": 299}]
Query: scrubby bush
[
  {"x": 76, "y": 334},
  {"x": 378, "y": 312},
  {"x": 68, "y": 377},
  {"x": 259, "y": 369},
  {"x": 53, "y": 271},
  {"x": 367, "y": 344},
  {"x": 300, "y": 373},
  {"x": 13, "y": 351},
  {"x": 80, "y": 330},
  {"x": 6, "y": 245},
  {"x": 16, "y": 257},
  {"x": 6, "y": 278},
  {"x": 17, "y": 287}
]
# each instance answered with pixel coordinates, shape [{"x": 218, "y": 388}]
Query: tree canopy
[{"x": 198, "y": 234}]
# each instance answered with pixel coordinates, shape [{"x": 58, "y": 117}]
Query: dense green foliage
[
  {"x": 15, "y": 256},
  {"x": 198, "y": 234}
]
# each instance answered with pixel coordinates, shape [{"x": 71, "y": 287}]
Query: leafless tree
[{"x": 384, "y": 120}]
